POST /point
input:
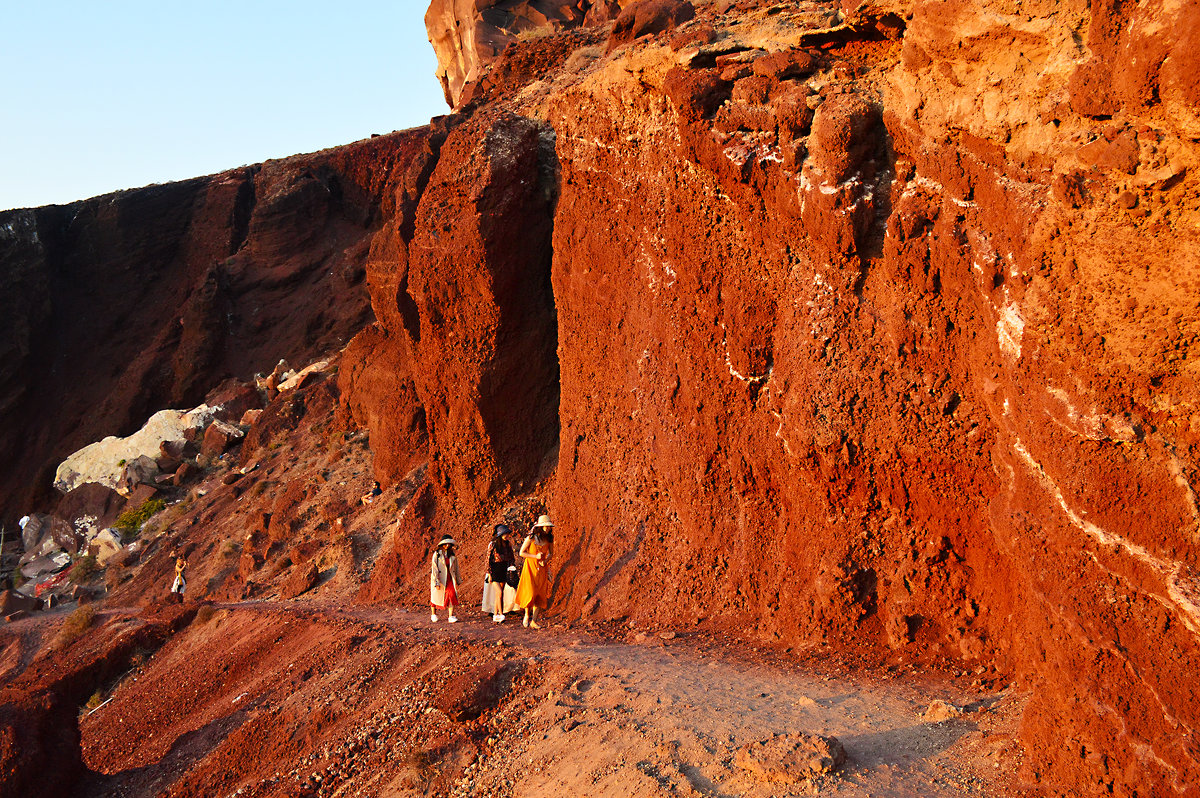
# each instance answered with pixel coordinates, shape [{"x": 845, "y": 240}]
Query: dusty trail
[{"x": 672, "y": 712}]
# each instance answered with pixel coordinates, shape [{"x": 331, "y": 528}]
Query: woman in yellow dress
[{"x": 533, "y": 592}]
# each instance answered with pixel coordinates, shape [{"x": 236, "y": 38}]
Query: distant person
[
  {"x": 443, "y": 580},
  {"x": 501, "y": 563},
  {"x": 533, "y": 592},
  {"x": 370, "y": 495},
  {"x": 180, "y": 583}
]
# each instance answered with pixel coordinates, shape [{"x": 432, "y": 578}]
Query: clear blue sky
[{"x": 100, "y": 96}]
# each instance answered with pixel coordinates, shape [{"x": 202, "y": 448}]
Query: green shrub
[
  {"x": 83, "y": 568},
  {"x": 75, "y": 625},
  {"x": 130, "y": 522}
]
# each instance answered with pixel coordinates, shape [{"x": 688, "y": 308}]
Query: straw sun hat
[{"x": 544, "y": 521}]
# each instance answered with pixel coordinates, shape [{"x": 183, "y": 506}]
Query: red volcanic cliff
[
  {"x": 863, "y": 324},
  {"x": 869, "y": 327},
  {"x": 117, "y": 306}
]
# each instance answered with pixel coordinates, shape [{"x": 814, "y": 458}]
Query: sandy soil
[{"x": 307, "y": 698}]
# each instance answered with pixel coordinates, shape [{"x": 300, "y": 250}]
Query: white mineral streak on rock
[{"x": 1181, "y": 588}]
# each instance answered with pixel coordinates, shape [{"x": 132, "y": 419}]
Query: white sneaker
[
  {"x": 433, "y": 617},
  {"x": 452, "y": 619},
  {"x": 497, "y": 618}
]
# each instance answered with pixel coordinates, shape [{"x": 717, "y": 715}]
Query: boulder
[
  {"x": 695, "y": 93},
  {"x": 219, "y": 437},
  {"x": 142, "y": 494},
  {"x": 182, "y": 474},
  {"x": 15, "y": 601},
  {"x": 646, "y": 17},
  {"x": 940, "y": 710},
  {"x": 105, "y": 546},
  {"x": 306, "y": 376},
  {"x": 141, "y": 470},
  {"x": 68, "y": 538},
  {"x": 34, "y": 531},
  {"x": 302, "y": 579},
  {"x": 249, "y": 417},
  {"x": 232, "y": 399},
  {"x": 45, "y": 564},
  {"x": 785, "y": 65},
  {"x": 792, "y": 758},
  {"x": 843, "y": 132},
  {"x": 91, "y": 505},
  {"x": 103, "y": 462},
  {"x": 44, "y": 535}
]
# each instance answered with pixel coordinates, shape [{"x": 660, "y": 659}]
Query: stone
[
  {"x": 142, "y": 494},
  {"x": 232, "y": 399},
  {"x": 142, "y": 470},
  {"x": 306, "y": 376},
  {"x": 249, "y": 417},
  {"x": 648, "y": 17},
  {"x": 695, "y": 93},
  {"x": 302, "y": 578},
  {"x": 785, "y": 65},
  {"x": 219, "y": 437},
  {"x": 940, "y": 710},
  {"x": 182, "y": 474},
  {"x": 68, "y": 538},
  {"x": 34, "y": 531},
  {"x": 15, "y": 601},
  {"x": 105, "y": 546},
  {"x": 104, "y": 462},
  {"x": 842, "y": 133},
  {"x": 90, "y": 505},
  {"x": 791, "y": 758}
]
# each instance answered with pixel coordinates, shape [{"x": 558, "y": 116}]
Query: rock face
[
  {"x": 887, "y": 336},
  {"x": 870, "y": 326},
  {"x": 115, "y": 307},
  {"x": 468, "y": 35}
]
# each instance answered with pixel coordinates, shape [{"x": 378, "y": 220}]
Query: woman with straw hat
[
  {"x": 533, "y": 592},
  {"x": 443, "y": 579}
]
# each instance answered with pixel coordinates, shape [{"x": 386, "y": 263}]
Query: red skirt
[{"x": 451, "y": 595}]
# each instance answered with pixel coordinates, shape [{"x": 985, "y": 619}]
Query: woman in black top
[{"x": 500, "y": 559}]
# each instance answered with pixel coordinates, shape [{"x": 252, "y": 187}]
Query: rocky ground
[{"x": 316, "y": 698}]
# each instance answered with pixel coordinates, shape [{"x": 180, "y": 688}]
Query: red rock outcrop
[
  {"x": 468, "y": 35},
  {"x": 114, "y": 307},
  {"x": 884, "y": 338}
]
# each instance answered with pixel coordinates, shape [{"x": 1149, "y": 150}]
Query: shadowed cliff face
[{"x": 121, "y": 305}]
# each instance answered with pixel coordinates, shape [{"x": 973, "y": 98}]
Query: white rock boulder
[{"x": 105, "y": 460}]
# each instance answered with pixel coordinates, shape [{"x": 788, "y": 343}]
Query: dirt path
[{"x": 666, "y": 716}]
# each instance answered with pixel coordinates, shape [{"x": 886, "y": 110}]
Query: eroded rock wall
[
  {"x": 875, "y": 325},
  {"x": 121, "y": 305},
  {"x": 468, "y": 35}
]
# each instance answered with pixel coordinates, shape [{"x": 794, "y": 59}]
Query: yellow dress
[{"x": 534, "y": 587}]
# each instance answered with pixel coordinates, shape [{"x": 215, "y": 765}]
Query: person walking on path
[
  {"x": 180, "y": 583},
  {"x": 533, "y": 593},
  {"x": 501, "y": 560},
  {"x": 443, "y": 579}
]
